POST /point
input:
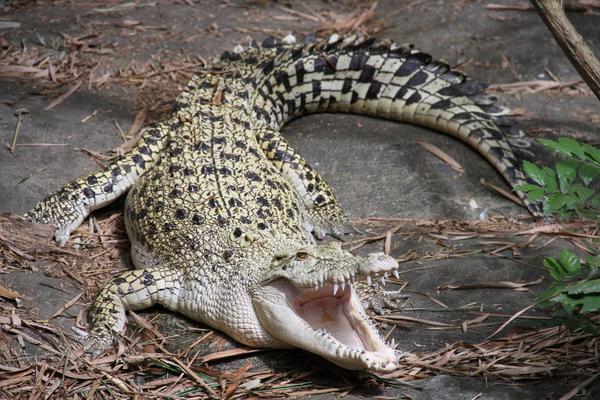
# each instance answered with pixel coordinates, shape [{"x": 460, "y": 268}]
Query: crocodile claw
[{"x": 328, "y": 220}]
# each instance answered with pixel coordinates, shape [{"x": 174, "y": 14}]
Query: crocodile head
[{"x": 307, "y": 300}]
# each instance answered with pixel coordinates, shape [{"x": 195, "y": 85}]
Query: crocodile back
[{"x": 385, "y": 80}]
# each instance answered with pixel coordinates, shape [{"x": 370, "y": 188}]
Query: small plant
[
  {"x": 565, "y": 191},
  {"x": 576, "y": 288}
]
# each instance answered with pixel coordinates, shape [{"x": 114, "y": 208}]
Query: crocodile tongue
[{"x": 334, "y": 326}]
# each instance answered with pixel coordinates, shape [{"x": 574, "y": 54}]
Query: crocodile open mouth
[{"x": 332, "y": 325}]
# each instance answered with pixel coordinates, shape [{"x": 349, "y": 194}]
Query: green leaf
[
  {"x": 534, "y": 173},
  {"x": 595, "y": 201},
  {"x": 590, "y": 304},
  {"x": 573, "y": 201},
  {"x": 566, "y": 174},
  {"x": 570, "y": 261},
  {"x": 552, "y": 145},
  {"x": 550, "y": 180},
  {"x": 588, "y": 173},
  {"x": 551, "y": 292},
  {"x": 571, "y": 146},
  {"x": 555, "y": 268},
  {"x": 586, "y": 214},
  {"x": 565, "y": 214},
  {"x": 526, "y": 187},
  {"x": 554, "y": 202},
  {"x": 592, "y": 151},
  {"x": 535, "y": 195},
  {"x": 593, "y": 261},
  {"x": 568, "y": 303},
  {"x": 585, "y": 287},
  {"x": 582, "y": 192}
]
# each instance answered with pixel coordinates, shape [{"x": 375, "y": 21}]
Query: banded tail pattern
[{"x": 382, "y": 79}]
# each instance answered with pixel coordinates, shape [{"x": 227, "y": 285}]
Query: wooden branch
[{"x": 572, "y": 44}]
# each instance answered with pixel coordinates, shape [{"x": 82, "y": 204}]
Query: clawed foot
[
  {"x": 94, "y": 343},
  {"x": 377, "y": 299},
  {"x": 62, "y": 210},
  {"x": 328, "y": 220}
]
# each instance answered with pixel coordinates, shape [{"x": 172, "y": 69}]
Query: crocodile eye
[{"x": 302, "y": 255}]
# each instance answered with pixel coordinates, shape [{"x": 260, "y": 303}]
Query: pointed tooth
[
  {"x": 382, "y": 280},
  {"x": 335, "y": 288},
  {"x": 385, "y": 275},
  {"x": 316, "y": 287},
  {"x": 343, "y": 285},
  {"x": 369, "y": 280},
  {"x": 396, "y": 274}
]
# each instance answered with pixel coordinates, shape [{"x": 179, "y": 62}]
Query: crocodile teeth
[
  {"x": 383, "y": 280},
  {"x": 385, "y": 275},
  {"x": 396, "y": 274},
  {"x": 335, "y": 288},
  {"x": 369, "y": 280},
  {"x": 343, "y": 285}
]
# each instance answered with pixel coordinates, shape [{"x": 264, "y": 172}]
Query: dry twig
[{"x": 572, "y": 44}]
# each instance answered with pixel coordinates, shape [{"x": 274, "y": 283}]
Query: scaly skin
[{"x": 221, "y": 211}]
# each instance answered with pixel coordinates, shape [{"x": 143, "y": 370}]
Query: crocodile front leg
[
  {"x": 322, "y": 213},
  {"x": 376, "y": 298},
  {"x": 68, "y": 207},
  {"x": 132, "y": 290}
]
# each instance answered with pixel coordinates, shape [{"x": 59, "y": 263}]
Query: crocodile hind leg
[
  {"x": 323, "y": 214},
  {"x": 69, "y": 206},
  {"x": 132, "y": 290}
]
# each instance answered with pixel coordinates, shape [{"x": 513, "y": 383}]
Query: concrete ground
[{"x": 377, "y": 167}]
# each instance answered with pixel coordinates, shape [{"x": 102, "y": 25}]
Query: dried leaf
[
  {"x": 9, "y": 294},
  {"x": 63, "y": 96},
  {"x": 436, "y": 151}
]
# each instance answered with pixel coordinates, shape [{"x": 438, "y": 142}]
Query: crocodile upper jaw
[{"x": 335, "y": 327}]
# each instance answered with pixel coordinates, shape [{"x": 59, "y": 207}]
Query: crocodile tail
[{"x": 385, "y": 80}]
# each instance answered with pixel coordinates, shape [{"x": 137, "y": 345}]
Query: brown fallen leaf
[
  {"x": 23, "y": 71},
  {"x": 534, "y": 86},
  {"x": 502, "y": 192},
  {"x": 9, "y": 294},
  {"x": 517, "y": 112},
  {"x": 527, "y": 370},
  {"x": 387, "y": 244},
  {"x": 551, "y": 228},
  {"x": 476, "y": 320},
  {"x": 520, "y": 286},
  {"x": 137, "y": 124},
  {"x": 66, "y": 305},
  {"x": 228, "y": 354},
  {"x": 63, "y": 96},
  {"x": 25, "y": 239},
  {"x": 439, "y": 153}
]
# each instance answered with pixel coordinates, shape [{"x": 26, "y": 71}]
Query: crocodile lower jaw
[{"x": 335, "y": 327}]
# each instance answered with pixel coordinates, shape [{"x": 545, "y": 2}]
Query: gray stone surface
[{"x": 376, "y": 166}]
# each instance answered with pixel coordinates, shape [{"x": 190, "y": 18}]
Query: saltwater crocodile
[{"x": 221, "y": 211}]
